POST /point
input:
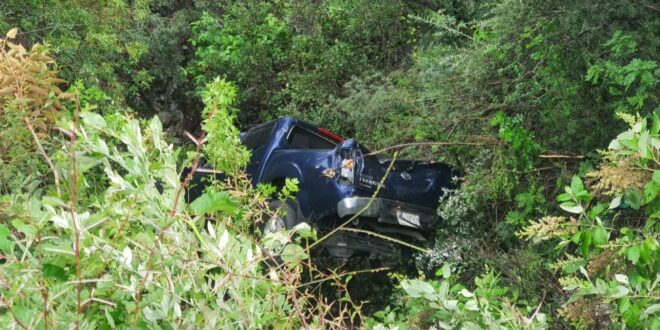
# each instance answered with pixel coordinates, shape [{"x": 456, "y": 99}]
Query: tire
[{"x": 278, "y": 221}]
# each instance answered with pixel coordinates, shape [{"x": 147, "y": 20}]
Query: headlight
[{"x": 347, "y": 172}]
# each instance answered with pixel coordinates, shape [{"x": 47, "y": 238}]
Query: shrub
[
  {"x": 30, "y": 101},
  {"x": 610, "y": 235},
  {"x": 116, "y": 246},
  {"x": 447, "y": 305}
]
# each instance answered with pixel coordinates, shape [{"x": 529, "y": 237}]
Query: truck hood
[{"x": 409, "y": 181}]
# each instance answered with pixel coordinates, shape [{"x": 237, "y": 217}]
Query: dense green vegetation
[{"x": 550, "y": 108}]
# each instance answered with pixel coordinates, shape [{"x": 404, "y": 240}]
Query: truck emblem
[{"x": 369, "y": 182}]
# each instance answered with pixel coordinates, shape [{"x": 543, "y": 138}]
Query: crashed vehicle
[{"x": 338, "y": 179}]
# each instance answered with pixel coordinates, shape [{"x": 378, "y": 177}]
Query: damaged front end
[{"x": 373, "y": 205}]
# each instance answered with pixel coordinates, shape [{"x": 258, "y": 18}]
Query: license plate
[{"x": 408, "y": 219}]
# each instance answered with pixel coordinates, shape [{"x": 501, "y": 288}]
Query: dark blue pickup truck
[{"x": 337, "y": 179}]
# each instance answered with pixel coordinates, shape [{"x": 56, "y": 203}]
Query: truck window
[
  {"x": 257, "y": 137},
  {"x": 304, "y": 139}
]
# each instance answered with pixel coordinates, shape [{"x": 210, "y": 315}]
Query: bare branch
[
  {"x": 562, "y": 156},
  {"x": 43, "y": 153},
  {"x": 13, "y": 315},
  {"x": 425, "y": 144},
  {"x": 73, "y": 200},
  {"x": 42, "y": 282},
  {"x": 199, "y": 142},
  {"x": 387, "y": 238},
  {"x": 207, "y": 170}
]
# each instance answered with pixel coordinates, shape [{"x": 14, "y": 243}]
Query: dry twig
[{"x": 43, "y": 153}]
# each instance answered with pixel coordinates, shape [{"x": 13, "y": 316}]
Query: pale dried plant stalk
[{"x": 548, "y": 228}]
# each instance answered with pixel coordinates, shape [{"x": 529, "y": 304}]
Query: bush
[
  {"x": 114, "y": 245},
  {"x": 609, "y": 236},
  {"x": 447, "y": 305},
  {"x": 30, "y": 102}
]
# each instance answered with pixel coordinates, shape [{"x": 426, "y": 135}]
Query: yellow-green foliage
[
  {"x": 29, "y": 99},
  {"x": 223, "y": 148}
]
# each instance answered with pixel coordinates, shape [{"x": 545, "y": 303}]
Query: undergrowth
[{"x": 110, "y": 243}]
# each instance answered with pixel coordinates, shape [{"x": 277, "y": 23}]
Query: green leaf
[
  {"x": 305, "y": 231},
  {"x": 290, "y": 186},
  {"x": 156, "y": 131},
  {"x": 571, "y": 207},
  {"x": 633, "y": 198},
  {"x": 6, "y": 245},
  {"x": 293, "y": 254},
  {"x": 472, "y": 305},
  {"x": 655, "y": 143},
  {"x": 418, "y": 289},
  {"x": 627, "y": 139},
  {"x": 584, "y": 272},
  {"x": 585, "y": 240},
  {"x": 576, "y": 237},
  {"x": 576, "y": 185},
  {"x": 632, "y": 315},
  {"x": 621, "y": 278},
  {"x": 24, "y": 228},
  {"x": 601, "y": 286},
  {"x": 446, "y": 270},
  {"x": 650, "y": 310},
  {"x": 24, "y": 313},
  {"x": 54, "y": 271},
  {"x": 650, "y": 191},
  {"x": 212, "y": 202},
  {"x": 466, "y": 293},
  {"x": 619, "y": 291},
  {"x": 624, "y": 304},
  {"x": 564, "y": 197},
  {"x": 583, "y": 195},
  {"x": 643, "y": 145},
  {"x": 645, "y": 253},
  {"x": 615, "y": 203},
  {"x": 109, "y": 318},
  {"x": 597, "y": 210},
  {"x": 655, "y": 128},
  {"x": 615, "y": 145},
  {"x": 599, "y": 235},
  {"x": 627, "y": 233},
  {"x": 574, "y": 266},
  {"x": 656, "y": 176},
  {"x": 654, "y": 323},
  {"x": 633, "y": 254},
  {"x": 93, "y": 119},
  {"x": 53, "y": 201}
]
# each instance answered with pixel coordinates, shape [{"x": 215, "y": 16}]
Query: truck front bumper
[{"x": 388, "y": 211}]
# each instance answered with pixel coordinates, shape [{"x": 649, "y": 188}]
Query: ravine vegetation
[{"x": 549, "y": 108}]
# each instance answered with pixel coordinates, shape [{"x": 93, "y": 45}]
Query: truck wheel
[
  {"x": 278, "y": 222},
  {"x": 282, "y": 221}
]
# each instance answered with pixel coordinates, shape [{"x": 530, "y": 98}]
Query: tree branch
[{"x": 43, "y": 153}]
